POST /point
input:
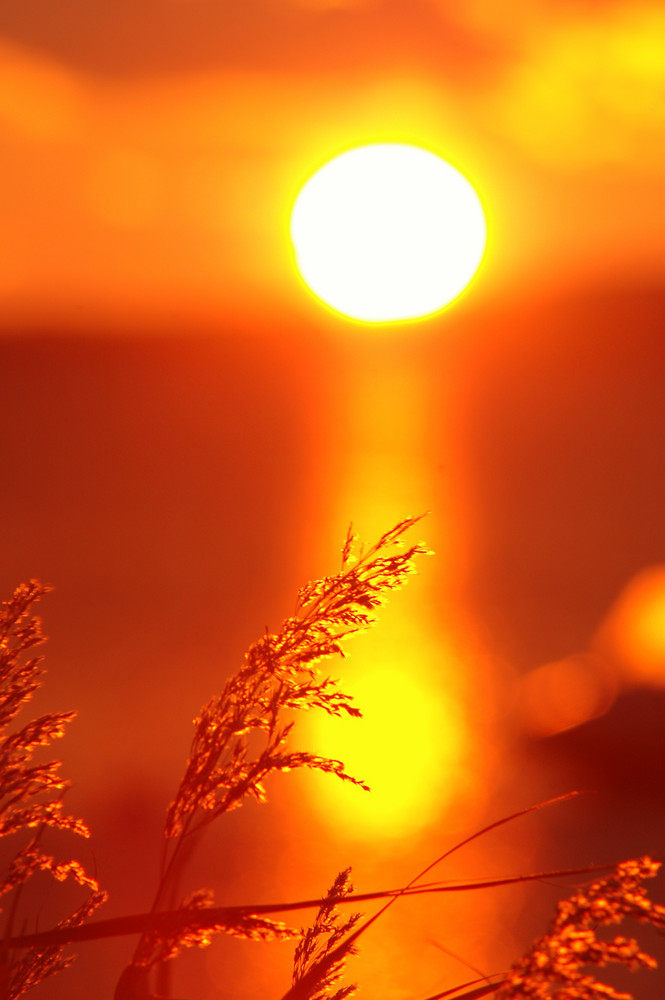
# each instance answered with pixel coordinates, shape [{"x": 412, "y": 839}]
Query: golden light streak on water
[
  {"x": 414, "y": 745},
  {"x": 410, "y": 746}
]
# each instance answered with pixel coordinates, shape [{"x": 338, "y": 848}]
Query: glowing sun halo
[{"x": 387, "y": 232}]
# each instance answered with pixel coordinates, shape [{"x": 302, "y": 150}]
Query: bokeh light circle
[{"x": 387, "y": 232}]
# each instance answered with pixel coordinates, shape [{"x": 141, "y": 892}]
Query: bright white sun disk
[{"x": 387, "y": 232}]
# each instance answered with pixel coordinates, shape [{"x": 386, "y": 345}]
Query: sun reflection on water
[{"x": 411, "y": 746}]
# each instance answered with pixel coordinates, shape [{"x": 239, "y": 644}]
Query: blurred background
[{"x": 187, "y": 433}]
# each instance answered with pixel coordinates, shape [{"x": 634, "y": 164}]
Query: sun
[{"x": 387, "y": 232}]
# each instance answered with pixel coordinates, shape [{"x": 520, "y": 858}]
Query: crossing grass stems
[{"x": 241, "y": 736}]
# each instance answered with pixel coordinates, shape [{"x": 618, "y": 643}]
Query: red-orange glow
[
  {"x": 40, "y": 101},
  {"x": 634, "y": 631},
  {"x": 174, "y": 191},
  {"x": 564, "y": 694},
  {"x": 203, "y": 168},
  {"x": 177, "y": 491}
]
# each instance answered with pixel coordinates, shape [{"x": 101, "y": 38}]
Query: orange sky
[{"x": 150, "y": 158}]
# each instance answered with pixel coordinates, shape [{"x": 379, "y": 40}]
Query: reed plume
[
  {"x": 31, "y": 795},
  {"x": 557, "y": 964},
  {"x": 241, "y": 735},
  {"x": 320, "y": 956}
]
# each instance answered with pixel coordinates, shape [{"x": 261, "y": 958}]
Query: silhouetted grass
[{"x": 240, "y": 737}]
